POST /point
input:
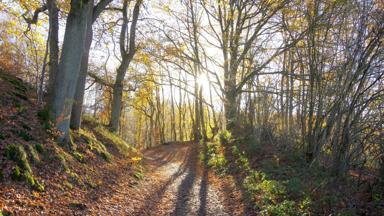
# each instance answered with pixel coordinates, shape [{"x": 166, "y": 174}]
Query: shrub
[
  {"x": 294, "y": 186},
  {"x": 253, "y": 145},
  {"x": 29, "y": 179},
  {"x": 138, "y": 175},
  {"x": 106, "y": 156},
  {"x": 26, "y": 127},
  {"x": 287, "y": 207},
  {"x": 225, "y": 137},
  {"x": 68, "y": 185},
  {"x": 216, "y": 158},
  {"x": 218, "y": 162},
  {"x": 90, "y": 182},
  {"x": 73, "y": 177},
  {"x": 241, "y": 160},
  {"x": 4, "y": 212},
  {"x": 138, "y": 171},
  {"x": 272, "y": 190},
  {"x": 39, "y": 187}
]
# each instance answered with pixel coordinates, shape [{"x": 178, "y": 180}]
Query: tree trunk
[
  {"x": 69, "y": 67},
  {"x": 53, "y": 13},
  {"x": 196, "y": 127},
  {"x": 127, "y": 57},
  {"x": 201, "y": 111},
  {"x": 230, "y": 104},
  {"x": 80, "y": 88}
]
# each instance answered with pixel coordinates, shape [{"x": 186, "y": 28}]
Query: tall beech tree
[
  {"x": 80, "y": 87},
  {"x": 77, "y": 38}
]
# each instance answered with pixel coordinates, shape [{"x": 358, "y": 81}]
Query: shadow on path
[
  {"x": 204, "y": 183},
  {"x": 162, "y": 159}
]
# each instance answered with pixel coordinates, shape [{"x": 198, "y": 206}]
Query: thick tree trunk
[
  {"x": 80, "y": 88},
  {"x": 118, "y": 95},
  {"x": 69, "y": 67}
]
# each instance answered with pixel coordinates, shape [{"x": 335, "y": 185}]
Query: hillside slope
[{"x": 39, "y": 175}]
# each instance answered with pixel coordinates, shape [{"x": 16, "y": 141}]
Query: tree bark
[
  {"x": 69, "y": 67},
  {"x": 53, "y": 13},
  {"x": 80, "y": 87},
  {"x": 77, "y": 106}
]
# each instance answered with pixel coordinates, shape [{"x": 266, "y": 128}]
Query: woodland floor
[{"x": 175, "y": 183}]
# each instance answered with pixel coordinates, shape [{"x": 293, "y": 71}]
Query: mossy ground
[{"x": 22, "y": 169}]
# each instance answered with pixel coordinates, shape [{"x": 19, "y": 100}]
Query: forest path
[{"x": 175, "y": 183}]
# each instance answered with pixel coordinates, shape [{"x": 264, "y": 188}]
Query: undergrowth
[
  {"x": 271, "y": 187},
  {"x": 213, "y": 152},
  {"x": 270, "y": 193},
  {"x": 216, "y": 158}
]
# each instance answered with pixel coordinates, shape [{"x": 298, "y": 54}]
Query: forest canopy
[{"x": 303, "y": 74}]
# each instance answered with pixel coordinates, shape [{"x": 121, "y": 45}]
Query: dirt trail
[{"x": 176, "y": 183}]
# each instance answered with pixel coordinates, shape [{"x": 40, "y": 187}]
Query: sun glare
[{"x": 202, "y": 80}]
